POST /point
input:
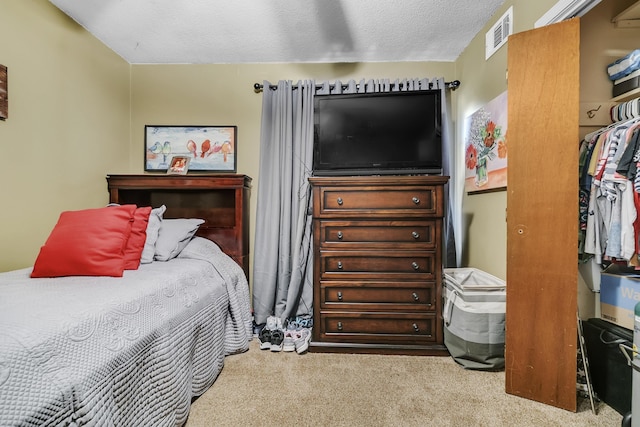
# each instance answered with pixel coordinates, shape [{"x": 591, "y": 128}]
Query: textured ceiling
[{"x": 267, "y": 31}]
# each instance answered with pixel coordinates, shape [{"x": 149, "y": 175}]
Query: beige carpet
[{"x": 263, "y": 388}]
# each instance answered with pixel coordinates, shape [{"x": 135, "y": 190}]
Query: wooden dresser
[
  {"x": 378, "y": 264},
  {"x": 222, "y": 200}
]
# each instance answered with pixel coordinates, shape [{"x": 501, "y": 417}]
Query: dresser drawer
[
  {"x": 377, "y": 274},
  {"x": 379, "y": 234},
  {"x": 379, "y": 201},
  {"x": 377, "y": 265},
  {"x": 378, "y": 296},
  {"x": 378, "y": 327}
]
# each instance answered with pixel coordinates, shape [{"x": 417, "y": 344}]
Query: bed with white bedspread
[{"x": 111, "y": 351}]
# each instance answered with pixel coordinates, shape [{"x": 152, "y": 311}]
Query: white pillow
[
  {"x": 174, "y": 235},
  {"x": 155, "y": 219}
]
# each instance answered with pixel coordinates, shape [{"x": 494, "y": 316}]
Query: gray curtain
[
  {"x": 453, "y": 189},
  {"x": 282, "y": 263},
  {"x": 283, "y": 256}
]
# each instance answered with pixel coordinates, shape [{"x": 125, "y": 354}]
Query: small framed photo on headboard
[
  {"x": 4, "y": 95},
  {"x": 179, "y": 165}
]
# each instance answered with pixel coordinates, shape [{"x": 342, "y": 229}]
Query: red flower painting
[
  {"x": 485, "y": 155},
  {"x": 471, "y": 157}
]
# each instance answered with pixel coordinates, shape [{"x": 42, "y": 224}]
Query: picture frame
[
  {"x": 179, "y": 165},
  {"x": 4, "y": 93},
  {"x": 209, "y": 148},
  {"x": 486, "y": 147}
]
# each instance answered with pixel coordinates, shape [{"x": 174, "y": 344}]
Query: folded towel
[{"x": 624, "y": 66}]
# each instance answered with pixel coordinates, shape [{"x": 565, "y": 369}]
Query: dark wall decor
[{"x": 4, "y": 96}]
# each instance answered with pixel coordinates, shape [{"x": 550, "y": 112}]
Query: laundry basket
[{"x": 474, "y": 318}]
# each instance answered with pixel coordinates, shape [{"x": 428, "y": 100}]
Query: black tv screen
[{"x": 378, "y": 133}]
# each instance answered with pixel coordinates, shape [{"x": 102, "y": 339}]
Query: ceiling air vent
[{"x": 498, "y": 34}]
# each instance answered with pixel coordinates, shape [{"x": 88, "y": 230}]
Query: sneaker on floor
[
  {"x": 300, "y": 322},
  {"x": 264, "y": 336},
  {"x": 302, "y": 340},
  {"x": 277, "y": 340},
  {"x": 289, "y": 340},
  {"x": 273, "y": 323}
]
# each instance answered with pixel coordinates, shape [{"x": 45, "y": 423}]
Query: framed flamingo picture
[{"x": 209, "y": 148}]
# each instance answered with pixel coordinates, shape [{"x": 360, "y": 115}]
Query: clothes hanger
[{"x": 632, "y": 114}]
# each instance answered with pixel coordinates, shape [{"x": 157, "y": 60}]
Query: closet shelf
[
  {"x": 635, "y": 93},
  {"x": 628, "y": 18}
]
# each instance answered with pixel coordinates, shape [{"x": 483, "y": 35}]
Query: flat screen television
[{"x": 390, "y": 133}]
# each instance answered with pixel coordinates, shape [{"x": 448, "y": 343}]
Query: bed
[{"x": 120, "y": 351}]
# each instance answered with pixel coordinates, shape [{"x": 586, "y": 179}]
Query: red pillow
[
  {"x": 88, "y": 242},
  {"x": 138, "y": 236}
]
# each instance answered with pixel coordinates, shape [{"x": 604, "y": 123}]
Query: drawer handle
[
  {"x": 339, "y": 235},
  {"x": 415, "y": 234},
  {"x": 416, "y": 328},
  {"x": 339, "y": 265},
  {"x": 339, "y": 296},
  {"x": 339, "y": 326},
  {"x": 415, "y": 297},
  {"x": 340, "y": 201},
  {"x": 416, "y": 201},
  {"x": 415, "y": 266}
]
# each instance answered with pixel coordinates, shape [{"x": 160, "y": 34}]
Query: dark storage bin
[{"x": 610, "y": 374}]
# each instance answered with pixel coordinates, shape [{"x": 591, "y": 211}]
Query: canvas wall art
[
  {"x": 209, "y": 148},
  {"x": 486, "y": 147}
]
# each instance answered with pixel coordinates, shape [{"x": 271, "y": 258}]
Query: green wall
[
  {"x": 224, "y": 95},
  {"x": 484, "y": 214},
  {"x": 68, "y": 124},
  {"x": 77, "y": 112}
]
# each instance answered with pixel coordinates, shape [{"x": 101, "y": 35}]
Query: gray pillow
[
  {"x": 153, "y": 227},
  {"x": 174, "y": 235}
]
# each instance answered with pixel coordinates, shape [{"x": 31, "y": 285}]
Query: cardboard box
[{"x": 619, "y": 294}]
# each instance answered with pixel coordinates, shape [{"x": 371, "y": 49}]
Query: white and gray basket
[{"x": 474, "y": 318}]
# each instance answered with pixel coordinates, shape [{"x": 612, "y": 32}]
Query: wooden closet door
[{"x": 542, "y": 214}]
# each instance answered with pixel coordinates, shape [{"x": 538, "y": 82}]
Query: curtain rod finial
[
  {"x": 257, "y": 87},
  {"x": 454, "y": 84}
]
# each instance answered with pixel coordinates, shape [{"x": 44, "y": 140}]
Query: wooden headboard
[{"x": 221, "y": 200}]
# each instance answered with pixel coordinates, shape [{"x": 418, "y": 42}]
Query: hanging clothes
[{"x": 609, "y": 188}]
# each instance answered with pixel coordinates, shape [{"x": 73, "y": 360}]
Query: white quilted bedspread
[{"x": 131, "y": 351}]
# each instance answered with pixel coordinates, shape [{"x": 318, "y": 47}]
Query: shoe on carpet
[
  {"x": 264, "y": 336},
  {"x": 290, "y": 336},
  {"x": 299, "y": 322},
  {"x": 277, "y": 340},
  {"x": 302, "y": 340},
  {"x": 273, "y": 323}
]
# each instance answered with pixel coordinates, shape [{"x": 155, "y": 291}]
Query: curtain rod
[{"x": 257, "y": 87}]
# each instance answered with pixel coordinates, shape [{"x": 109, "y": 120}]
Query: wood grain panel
[
  {"x": 542, "y": 207},
  {"x": 378, "y": 264},
  {"x": 221, "y": 200}
]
